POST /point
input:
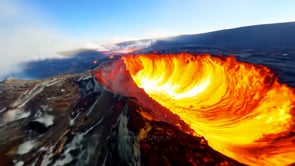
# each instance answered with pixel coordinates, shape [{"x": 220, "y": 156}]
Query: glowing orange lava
[{"x": 241, "y": 109}]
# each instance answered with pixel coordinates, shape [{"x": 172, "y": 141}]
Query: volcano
[
  {"x": 188, "y": 102},
  {"x": 147, "y": 109}
]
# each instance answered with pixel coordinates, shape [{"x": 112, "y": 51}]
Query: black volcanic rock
[{"x": 73, "y": 120}]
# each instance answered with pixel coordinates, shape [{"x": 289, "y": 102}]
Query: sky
[
  {"x": 111, "y": 19},
  {"x": 36, "y": 29}
]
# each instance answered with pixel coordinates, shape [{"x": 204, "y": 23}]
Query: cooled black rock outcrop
[{"x": 72, "y": 120}]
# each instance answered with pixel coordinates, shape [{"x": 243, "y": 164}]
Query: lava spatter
[{"x": 241, "y": 109}]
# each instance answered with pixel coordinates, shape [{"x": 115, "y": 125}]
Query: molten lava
[{"x": 241, "y": 109}]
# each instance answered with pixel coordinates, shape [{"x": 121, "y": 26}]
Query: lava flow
[{"x": 241, "y": 109}]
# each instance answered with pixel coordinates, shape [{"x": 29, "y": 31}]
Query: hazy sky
[{"x": 38, "y": 28}]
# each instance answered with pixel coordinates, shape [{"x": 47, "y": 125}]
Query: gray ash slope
[{"x": 278, "y": 36}]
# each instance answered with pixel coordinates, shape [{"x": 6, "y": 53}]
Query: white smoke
[
  {"x": 25, "y": 37},
  {"x": 27, "y": 34},
  {"x": 112, "y": 46}
]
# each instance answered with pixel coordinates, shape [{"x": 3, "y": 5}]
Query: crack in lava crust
[{"x": 241, "y": 109}]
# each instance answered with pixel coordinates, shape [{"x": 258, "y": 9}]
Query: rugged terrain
[{"x": 73, "y": 120}]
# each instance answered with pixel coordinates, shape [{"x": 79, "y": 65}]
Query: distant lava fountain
[{"x": 239, "y": 108}]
